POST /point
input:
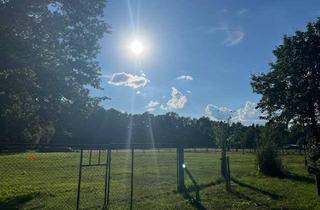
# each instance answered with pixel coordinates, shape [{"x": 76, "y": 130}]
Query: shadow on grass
[
  {"x": 296, "y": 177},
  {"x": 194, "y": 201},
  {"x": 247, "y": 198},
  {"x": 200, "y": 187},
  {"x": 259, "y": 190},
  {"x": 17, "y": 202}
]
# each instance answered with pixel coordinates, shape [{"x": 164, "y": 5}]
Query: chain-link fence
[{"x": 48, "y": 177}]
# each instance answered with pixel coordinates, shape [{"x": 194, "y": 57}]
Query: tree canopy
[
  {"x": 291, "y": 90},
  {"x": 47, "y": 62}
]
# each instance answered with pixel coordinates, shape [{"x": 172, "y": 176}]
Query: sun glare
[{"x": 136, "y": 47}]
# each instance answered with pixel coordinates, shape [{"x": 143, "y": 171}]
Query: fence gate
[
  {"x": 96, "y": 162},
  {"x": 96, "y": 159}
]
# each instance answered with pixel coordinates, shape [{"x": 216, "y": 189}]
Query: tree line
[{"x": 114, "y": 127}]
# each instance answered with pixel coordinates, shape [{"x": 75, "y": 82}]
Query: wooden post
[
  {"x": 228, "y": 178},
  {"x": 181, "y": 186},
  {"x": 223, "y": 166}
]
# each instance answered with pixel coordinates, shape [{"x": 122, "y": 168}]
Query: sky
[{"x": 198, "y": 56}]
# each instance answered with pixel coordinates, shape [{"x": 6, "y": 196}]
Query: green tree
[
  {"x": 47, "y": 62},
  {"x": 291, "y": 90}
]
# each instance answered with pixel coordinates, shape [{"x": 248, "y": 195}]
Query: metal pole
[
  {"x": 109, "y": 171},
  {"x": 132, "y": 161},
  {"x": 181, "y": 170},
  {"x": 106, "y": 182},
  {"x": 99, "y": 156},
  {"x": 90, "y": 155},
  {"x": 79, "y": 179},
  {"x": 177, "y": 151}
]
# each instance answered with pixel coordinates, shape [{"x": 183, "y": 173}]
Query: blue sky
[{"x": 199, "y": 54}]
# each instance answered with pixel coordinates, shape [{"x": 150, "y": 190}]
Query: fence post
[
  {"x": 181, "y": 186},
  {"x": 109, "y": 171},
  {"x": 107, "y": 180},
  {"x": 79, "y": 179},
  {"x": 228, "y": 178},
  {"x": 177, "y": 152},
  {"x": 132, "y": 161},
  {"x": 223, "y": 166}
]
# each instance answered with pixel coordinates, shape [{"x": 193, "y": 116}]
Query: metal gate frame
[
  {"x": 180, "y": 167},
  {"x": 107, "y": 165}
]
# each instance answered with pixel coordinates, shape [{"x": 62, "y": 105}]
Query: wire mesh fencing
[
  {"x": 38, "y": 180},
  {"x": 48, "y": 178}
]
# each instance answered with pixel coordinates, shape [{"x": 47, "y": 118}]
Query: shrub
[{"x": 269, "y": 161}]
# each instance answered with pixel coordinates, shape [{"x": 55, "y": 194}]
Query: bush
[{"x": 269, "y": 161}]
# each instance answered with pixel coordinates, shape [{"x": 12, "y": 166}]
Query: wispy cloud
[
  {"x": 233, "y": 35},
  {"x": 130, "y": 80},
  {"x": 247, "y": 115},
  {"x": 185, "y": 77},
  {"x": 178, "y": 100},
  {"x": 152, "y": 105}
]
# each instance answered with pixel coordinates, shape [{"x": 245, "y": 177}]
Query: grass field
[{"x": 49, "y": 181}]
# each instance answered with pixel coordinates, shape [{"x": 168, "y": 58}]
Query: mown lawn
[{"x": 49, "y": 181}]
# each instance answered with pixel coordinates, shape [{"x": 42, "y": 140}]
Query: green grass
[{"x": 50, "y": 182}]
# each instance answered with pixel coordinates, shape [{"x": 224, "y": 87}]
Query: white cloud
[
  {"x": 185, "y": 77},
  {"x": 189, "y": 91},
  {"x": 152, "y": 105},
  {"x": 178, "y": 100},
  {"x": 247, "y": 115},
  {"x": 138, "y": 92},
  {"x": 130, "y": 80},
  {"x": 216, "y": 113},
  {"x": 233, "y": 35}
]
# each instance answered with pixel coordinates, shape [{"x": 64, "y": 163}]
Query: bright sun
[{"x": 137, "y": 47}]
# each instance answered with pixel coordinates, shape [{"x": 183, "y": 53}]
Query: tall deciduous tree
[
  {"x": 47, "y": 62},
  {"x": 291, "y": 90}
]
